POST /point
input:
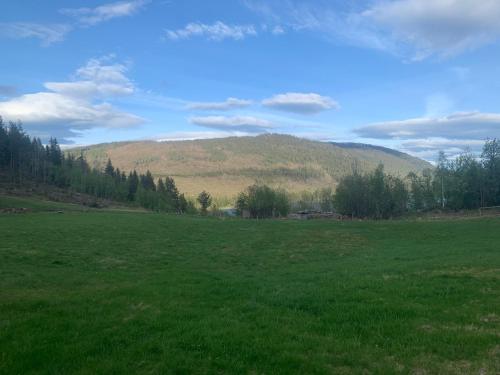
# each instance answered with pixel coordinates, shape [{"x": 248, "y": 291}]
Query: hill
[{"x": 226, "y": 166}]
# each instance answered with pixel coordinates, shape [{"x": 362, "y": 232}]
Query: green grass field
[
  {"x": 125, "y": 293},
  {"x": 37, "y": 205}
]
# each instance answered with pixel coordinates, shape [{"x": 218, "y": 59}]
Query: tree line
[
  {"x": 25, "y": 160},
  {"x": 463, "y": 183}
]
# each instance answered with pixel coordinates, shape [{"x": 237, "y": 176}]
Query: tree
[
  {"x": 261, "y": 201},
  {"x": 147, "y": 181},
  {"x": 440, "y": 182},
  {"x": 374, "y": 195},
  {"x": 326, "y": 199},
  {"x": 109, "y": 169},
  {"x": 133, "y": 185},
  {"x": 205, "y": 201},
  {"x": 183, "y": 204},
  {"x": 491, "y": 165},
  {"x": 242, "y": 203},
  {"x": 25, "y": 160},
  {"x": 351, "y": 196}
]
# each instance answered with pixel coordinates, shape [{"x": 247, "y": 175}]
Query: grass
[
  {"x": 114, "y": 293},
  {"x": 37, "y": 205}
]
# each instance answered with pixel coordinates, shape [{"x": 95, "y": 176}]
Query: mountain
[{"x": 225, "y": 166}]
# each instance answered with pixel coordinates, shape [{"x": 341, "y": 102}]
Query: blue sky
[{"x": 417, "y": 75}]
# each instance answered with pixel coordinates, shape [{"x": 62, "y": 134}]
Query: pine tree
[
  {"x": 109, "y": 169},
  {"x": 133, "y": 185}
]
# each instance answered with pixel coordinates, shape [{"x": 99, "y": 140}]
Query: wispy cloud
[
  {"x": 228, "y": 104},
  {"x": 216, "y": 32},
  {"x": 69, "y": 107},
  {"x": 248, "y": 124},
  {"x": 47, "y": 33},
  {"x": 302, "y": 103},
  {"x": 428, "y": 148},
  {"x": 462, "y": 125},
  {"x": 99, "y": 78},
  {"x": 414, "y": 29},
  {"x": 106, "y": 12},
  {"x": 278, "y": 30}
]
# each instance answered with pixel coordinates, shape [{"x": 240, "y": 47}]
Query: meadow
[{"x": 104, "y": 292}]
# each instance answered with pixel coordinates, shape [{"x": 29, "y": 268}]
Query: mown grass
[{"x": 104, "y": 293}]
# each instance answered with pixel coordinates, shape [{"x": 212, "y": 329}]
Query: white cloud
[
  {"x": 95, "y": 80},
  {"x": 47, "y": 34},
  {"x": 228, "y": 104},
  {"x": 443, "y": 27},
  {"x": 458, "y": 126},
  {"x": 45, "y": 108},
  {"x": 301, "y": 103},
  {"x": 93, "y": 16},
  {"x": 216, "y": 32},
  {"x": 429, "y": 148},
  {"x": 278, "y": 30},
  {"x": 69, "y": 107},
  {"x": 247, "y": 124},
  {"x": 415, "y": 29}
]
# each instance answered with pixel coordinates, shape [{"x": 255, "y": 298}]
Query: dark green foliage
[
  {"x": 468, "y": 182},
  {"x": 491, "y": 172},
  {"x": 147, "y": 182},
  {"x": 109, "y": 169},
  {"x": 464, "y": 183},
  {"x": 170, "y": 199},
  {"x": 374, "y": 195},
  {"x": 261, "y": 201},
  {"x": 133, "y": 185},
  {"x": 205, "y": 201},
  {"x": 24, "y": 160},
  {"x": 422, "y": 191},
  {"x": 326, "y": 199}
]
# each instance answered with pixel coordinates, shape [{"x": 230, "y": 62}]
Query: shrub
[{"x": 261, "y": 201}]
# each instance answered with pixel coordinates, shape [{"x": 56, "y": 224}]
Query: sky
[{"x": 416, "y": 75}]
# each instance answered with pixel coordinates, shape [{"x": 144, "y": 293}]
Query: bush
[{"x": 261, "y": 201}]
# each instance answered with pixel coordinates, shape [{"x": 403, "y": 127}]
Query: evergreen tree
[
  {"x": 133, "y": 185},
  {"x": 147, "y": 181},
  {"x": 109, "y": 169}
]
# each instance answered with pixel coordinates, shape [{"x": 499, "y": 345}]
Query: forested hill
[{"x": 226, "y": 166}]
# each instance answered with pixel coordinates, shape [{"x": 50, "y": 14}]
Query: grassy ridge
[
  {"x": 100, "y": 293},
  {"x": 226, "y": 166}
]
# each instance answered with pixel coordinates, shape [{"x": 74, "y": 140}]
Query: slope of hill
[{"x": 226, "y": 166}]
